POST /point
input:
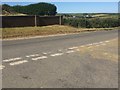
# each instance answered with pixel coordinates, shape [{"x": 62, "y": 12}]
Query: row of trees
[
  {"x": 92, "y": 23},
  {"x": 34, "y": 9}
]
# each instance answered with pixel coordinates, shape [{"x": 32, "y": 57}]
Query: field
[{"x": 95, "y": 15}]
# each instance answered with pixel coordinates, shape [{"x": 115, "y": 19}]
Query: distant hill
[{"x": 32, "y": 9}]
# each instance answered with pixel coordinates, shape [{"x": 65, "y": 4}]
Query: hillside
[
  {"x": 8, "y": 10},
  {"x": 32, "y": 9}
]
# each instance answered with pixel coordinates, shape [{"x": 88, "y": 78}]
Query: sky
[{"x": 78, "y": 7}]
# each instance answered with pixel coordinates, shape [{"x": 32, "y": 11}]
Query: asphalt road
[{"x": 52, "y": 62}]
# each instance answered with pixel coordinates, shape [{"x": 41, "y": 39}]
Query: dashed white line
[
  {"x": 72, "y": 48},
  {"x": 100, "y": 42},
  {"x": 107, "y": 41},
  {"x": 44, "y": 53},
  {"x": 70, "y": 51},
  {"x": 59, "y": 50},
  {"x": 77, "y": 49},
  {"x": 18, "y": 62},
  {"x": 2, "y": 67},
  {"x": 105, "y": 53},
  {"x": 56, "y": 54},
  {"x": 89, "y": 44},
  {"x": 38, "y": 58},
  {"x": 32, "y": 55},
  {"x": 12, "y": 59}
]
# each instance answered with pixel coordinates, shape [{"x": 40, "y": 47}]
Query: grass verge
[{"x": 44, "y": 30}]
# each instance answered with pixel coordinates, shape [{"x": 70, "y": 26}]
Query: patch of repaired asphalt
[{"x": 109, "y": 51}]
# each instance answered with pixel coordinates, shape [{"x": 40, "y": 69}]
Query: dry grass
[
  {"x": 106, "y": 16},
  {"x": 44, "y": 30}
]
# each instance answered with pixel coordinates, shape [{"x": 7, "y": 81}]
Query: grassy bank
[{"x": 44, "y": 30}]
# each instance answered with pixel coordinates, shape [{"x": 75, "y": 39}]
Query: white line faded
[
  {"x": 70, "y": 51},
  {"x": 82, "y": 46},
  {"x": 72, "y": 48},
  {"x": 39, "y": 58},
  {"x": 107, "y": 41},
  {"x": 77, "y": 49},
  {"x": 12, "y": 59},
  {"x": 18, "y": 62},
  {"x": 100, "y": 42},
  {"x": 44, "y": 53},
  {"x": 56, "y": 54},
  {"x": 34, "y": 55},
  {"x": 59, "y": 50},
  {"x": 90, "y": 44},
  {"x": 2, "y": 67}
]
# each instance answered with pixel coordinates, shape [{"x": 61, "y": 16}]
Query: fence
[{"x": 24, "y": 21}]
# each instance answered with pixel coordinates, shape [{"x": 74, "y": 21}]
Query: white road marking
[
  {"x": 12, "y": 59},
  {"x": 105, "y": 53},
  {"x": 107, "y": 41},
  {"x": 82, "y": 46},
  {"x": 77, "y": 49},
  {"x": 38, "y": 58},
  {"x": 2, "y": 67},
  {"x": 18, "y": 62},
  {"x": 44, "y": 53},
  {"x": 56, "y": 54},
  {"x": 59, "y": 50},
  {"x": 100, "y": 42},
  {"x": 70, "y": 51},
  {"x": 72, "y": 48},
  {"x": 34, "y": 55}
]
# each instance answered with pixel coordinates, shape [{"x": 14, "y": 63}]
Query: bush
[{"x": 92, "y": 23}]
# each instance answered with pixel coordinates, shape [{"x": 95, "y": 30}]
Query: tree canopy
[
  {"x": 37, "y": 9},
  {"x": 7, "y": 8},
  {"x": 34, "y": 9}
]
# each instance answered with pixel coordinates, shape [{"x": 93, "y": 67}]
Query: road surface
[{"x": 54, "y": 62}]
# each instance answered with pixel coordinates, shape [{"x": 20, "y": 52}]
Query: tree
[
  {"x": 37, "y": 9},
  {"x": 7, "y": 8}
]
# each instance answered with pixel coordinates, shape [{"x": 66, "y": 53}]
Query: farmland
[{"x": 91, "y": 20}]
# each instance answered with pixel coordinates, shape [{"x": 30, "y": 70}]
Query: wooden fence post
[
  {"x": 60, "y": 21},
  {"x": 35, "y": 21}
]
